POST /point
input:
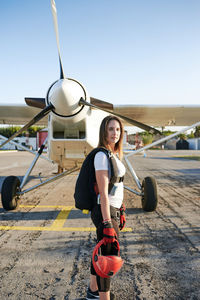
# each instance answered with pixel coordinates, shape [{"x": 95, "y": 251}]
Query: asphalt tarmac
[{"x": 46, "y": 244}]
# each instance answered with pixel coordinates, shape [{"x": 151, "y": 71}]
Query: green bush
[
  {"x": 9, "y": 131},
  {"x": 147, "y": 139}
]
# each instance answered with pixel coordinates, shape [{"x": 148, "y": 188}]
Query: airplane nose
[{"x": 65, "y": 95}]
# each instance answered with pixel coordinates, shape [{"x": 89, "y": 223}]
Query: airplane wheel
[
  {"x": 8, "y": 192},
  {"x": 150, "y": 198}
]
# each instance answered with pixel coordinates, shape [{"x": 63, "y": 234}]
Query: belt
[
  {"x": 119, "y": 179},
  {"x": 115, "y": 212}
]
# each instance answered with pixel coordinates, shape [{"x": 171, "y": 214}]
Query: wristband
[
  {"x": 107, "y": 224},
  {"x": 106, "y": 220}
]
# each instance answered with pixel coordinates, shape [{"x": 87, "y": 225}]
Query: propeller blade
[
  {"x": 37, "y": 118},
  {"x": 54, "y": 13},
  {"x": 36, "y": 102},
  {"x": 131, "y": 121},
  {"x": 101, "y": 104}
]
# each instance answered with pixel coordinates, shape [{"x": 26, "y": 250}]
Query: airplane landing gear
[
  {"x": 9, "y": 191},
  {"x": 148, "y": 189},
  {"x": 149, "y": 197}
]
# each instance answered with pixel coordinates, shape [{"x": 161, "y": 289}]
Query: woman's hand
[{"x": 109, "y": 233}]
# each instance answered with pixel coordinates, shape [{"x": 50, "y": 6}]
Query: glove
[
  {"x": 109, "y": 234},
  {"x": 122, "y": 217}
]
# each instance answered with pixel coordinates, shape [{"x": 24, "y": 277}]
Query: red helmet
[{"x": 106, "y": 266}]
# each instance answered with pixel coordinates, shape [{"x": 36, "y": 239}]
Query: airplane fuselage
[{"x": 73, "y": 130}]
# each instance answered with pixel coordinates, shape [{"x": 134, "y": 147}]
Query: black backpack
[{"x": 85, "y": 195}]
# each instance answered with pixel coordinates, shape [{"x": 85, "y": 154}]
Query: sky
[{"x": 144, "y": 52}]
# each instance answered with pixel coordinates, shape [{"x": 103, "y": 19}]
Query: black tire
[
  {"x": 150, "y": 197},
  {"x": 8, "y": 192}
]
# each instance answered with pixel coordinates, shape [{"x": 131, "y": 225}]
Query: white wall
[{"x": 194, "y": 144}]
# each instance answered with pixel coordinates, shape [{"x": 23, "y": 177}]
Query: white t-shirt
[{"x": 117, "y": 193}]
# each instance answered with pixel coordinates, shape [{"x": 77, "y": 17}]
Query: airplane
[{"x": 73, "y": 119}]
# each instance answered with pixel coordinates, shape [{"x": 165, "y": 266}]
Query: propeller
[
  {"x": 40, "y": 102},
  {"x": 95, "y": 103},
  {"x": 36, "y": 102},
  {"x": 54, "y": 13},
  {"x": 131, "y": 121},
  {"x": 100, "y": 103},
  {"x": 36, "y": 119}
]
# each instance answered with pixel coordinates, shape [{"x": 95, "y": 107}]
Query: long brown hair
[{"x": 103, "y": 135}]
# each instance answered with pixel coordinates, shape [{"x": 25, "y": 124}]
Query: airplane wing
[
  {"x": 156, "y": 116},
  {"x": 160, "y": 116},
  {"x": 19, "y": 115}
]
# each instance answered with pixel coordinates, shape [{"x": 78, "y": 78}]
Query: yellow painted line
[
  {"x": 61, "y": 218},
  {"x": 47, "y": 206},
  {"x": 69, "y": 229},
  {"x": 47, "y": 228},
  {"x": 57, "y": 224},
  {"x": 128, "y": 229}
]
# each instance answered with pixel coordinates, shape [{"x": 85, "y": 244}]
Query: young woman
[{"x": 105, "y": 215}]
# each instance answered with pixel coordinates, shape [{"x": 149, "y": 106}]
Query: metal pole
[
  {"x": 35, "y": 119},
  {"x": 163, "y": 139},
  {"x": 24, "y": 148},
  {"x": 149, "y": 146},
  {"x": 133, "y": 173},
  {"x": 32, "y": 164},
  {"x": 29, "y": 170},
  {"x": 67, "y": 172},
  {"x": 132, "y": 191}
]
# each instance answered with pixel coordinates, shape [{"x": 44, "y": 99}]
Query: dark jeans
[{"x": 109, "y": 249}]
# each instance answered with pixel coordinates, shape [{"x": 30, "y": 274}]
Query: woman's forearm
[
  {"x": 105, "y": 207},
  {"x": 102, "y": 182}
]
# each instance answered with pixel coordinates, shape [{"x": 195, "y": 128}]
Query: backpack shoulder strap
[
  {"x": 115, "y": 178},
  {"x": 112, "y": 166},
  {"x": 109, "y": 156}
]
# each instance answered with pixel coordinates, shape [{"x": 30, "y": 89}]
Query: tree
[
  {"x": 182, "y": 136},
  {"x": 9, "y": 131},
  {"x": 147, "y": 139},
  {"x": 190, "y": 135},
  {"x": 197, "y": 132}
]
